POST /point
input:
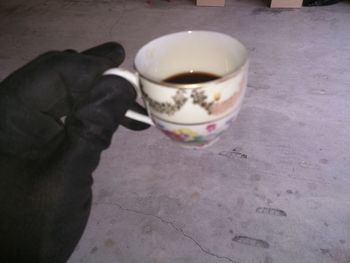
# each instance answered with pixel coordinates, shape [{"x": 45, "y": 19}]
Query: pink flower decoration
[
  {"x": 174, "y": 136},
  {"x": 211, "y": 127}
]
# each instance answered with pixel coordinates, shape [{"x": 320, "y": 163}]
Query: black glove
[{"x": 46, "y": 163}]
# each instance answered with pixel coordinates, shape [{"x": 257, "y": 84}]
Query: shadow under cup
[{"x": 193, "y": 114}]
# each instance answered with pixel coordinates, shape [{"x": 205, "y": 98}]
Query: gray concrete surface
[{"x": 274, "y": 189}]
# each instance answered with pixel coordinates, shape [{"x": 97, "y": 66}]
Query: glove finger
[
  {"x": 111, "y": 50},
  {"x": 132, "y": 124},
  {"x": 80, "y": 71},
  {"x": 99, "y": 114},
  {"x": 55, "y": 81}
]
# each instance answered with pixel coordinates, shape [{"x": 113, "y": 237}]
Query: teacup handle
[{"x": 133, "y": 78}]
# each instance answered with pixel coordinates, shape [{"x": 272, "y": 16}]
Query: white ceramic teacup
[{"x": 192, "y": 114}]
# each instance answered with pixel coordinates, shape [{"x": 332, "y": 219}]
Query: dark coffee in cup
[{"x": 191, "y": 78}]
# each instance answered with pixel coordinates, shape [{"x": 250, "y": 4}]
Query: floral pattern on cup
[
  {"x": 225, "y": 105},
  {"x": 196, "y": 135},
  {"x": 199, "y": 97},
  {"x": 188, "y": 136},
  {"x": 167, "y": 107},
  {"x": 211, "y": 127},
  {"x": 182, "y": 135}
]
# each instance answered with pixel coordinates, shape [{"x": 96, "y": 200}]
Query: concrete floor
[{"x": 275, "y": 188}]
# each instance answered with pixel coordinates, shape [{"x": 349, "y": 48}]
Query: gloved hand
[{"x": 46, "y": 164}]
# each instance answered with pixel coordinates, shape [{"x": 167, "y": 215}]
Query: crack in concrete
[
  {"x": 117, "y": 21},
  {"x": 178, "y": 229}
]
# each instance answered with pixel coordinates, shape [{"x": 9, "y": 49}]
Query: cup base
[{"x": 196, "y": 146}]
